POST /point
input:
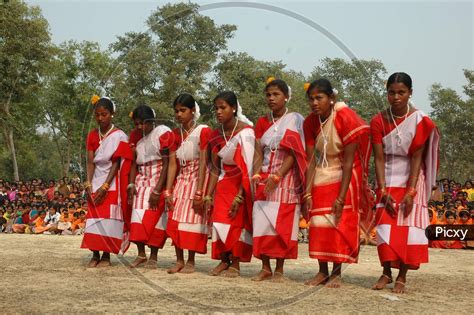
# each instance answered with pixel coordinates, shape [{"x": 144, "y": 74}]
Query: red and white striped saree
[
  {"x": 328, "y": 242},
  {"x": 276, "y": 216},
  {"x": 400, "y": 239},
  {"x": 149, "y": 225},
  {"x": 187, "y": 228},
  {"x": 233, "y": 235},
  {"x": 105, "y": 228}
]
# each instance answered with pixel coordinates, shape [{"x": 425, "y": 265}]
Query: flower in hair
[
  {"x": 270, "y": 79},
  {"x": 95, "y": 99},
  {"x": 306, "y": 86},
  {"x": 130, "y": 115}
]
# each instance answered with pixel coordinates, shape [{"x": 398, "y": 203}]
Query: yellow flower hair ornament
[
  {"x": 95, "y": 99},
  {"x": 306, "y": 86},
  {"x": 270, "y": 79},
  {"x": 130, "y": 115}
]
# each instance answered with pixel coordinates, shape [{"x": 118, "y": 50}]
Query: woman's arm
[
  {"x": 347, "y": 164},
  {"x": 172, "y": 169},
  {"x": 156, "y": 191},
  {"x": 215, "y": 170},
  {"x": 415, "y": 166},
  {"x": 198, "y": 201},
  {"x": 311, "y": 159},
  {"x": 273, "y": 180},
  {"x": 102, "y": 191},
  {"x": 380, "y": 175},
  {"x": 131, "y": 189},
  {"x": 90, "y": 172}
]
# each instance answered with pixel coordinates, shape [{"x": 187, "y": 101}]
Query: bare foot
[
  {"x": 319, "y": 279},
  {"x": 188, "y": 268},
  {"x": 93, "y": 263},
  {"x": 262, "y": 275},
  {"x": 382, "y": 282},
  {"x": 334, "y": 282},
  {"x": 218, "y": 269},
  {"x": 279, "y": 277},
  {"x": 104, "y": 263},
  {"x": 399, "y": 287},
  {"x": 231, "y": 272},
  {"x": 177, "y": 267},
  {"x": 138, "y": 261},
  {"x": 151, "y": 264}
]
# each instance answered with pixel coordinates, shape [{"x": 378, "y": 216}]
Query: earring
[
  {"x": 112, "y": 116},
  {"x": 332, "y": 102},
  {"x": 286, "y": 100},
  {"x": 233, "y": 111}
]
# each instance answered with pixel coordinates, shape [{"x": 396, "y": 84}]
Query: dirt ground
[{"x": 47, "y": 273}]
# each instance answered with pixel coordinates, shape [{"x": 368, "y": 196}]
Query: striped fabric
[{"x": 400, "y": 239}]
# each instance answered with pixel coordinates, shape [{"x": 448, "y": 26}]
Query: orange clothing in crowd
[
  {"x": 303, "y": 223},
  {"x": 40, "y": 226},
  {"x": 78, "y": 224}
]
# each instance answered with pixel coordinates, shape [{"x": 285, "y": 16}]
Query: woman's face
[
  {"x": 276, "y": 99},
  {"x": 146, "y": 127},
  {"x": 468, "y": 185},
  {"x": 224, "y": 111},
  {"x": 320, "y": 103},
  {"x": 103, "y": 117},
  {"x": 450, "y": 220},
  {"x": 398, "y": 95},
  {"x": 183, "y": 114}
]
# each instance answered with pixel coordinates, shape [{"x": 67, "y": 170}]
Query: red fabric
[
  {"x": 125, "y": 153},
  {"x": 263, "y": 123},
  {"x": 186, "y": 240},
  {"x": 101, "y": 243},
  {"x": 135, "y": 136},
  {"x": 167, "y": 141},
  {"x": 92, "y": 142},
  {"x": 145, "y": 231},
  {"x": 311, "y": 129},
  {"x": 423, "y": 133}
]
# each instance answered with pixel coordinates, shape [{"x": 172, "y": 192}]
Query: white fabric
[
  {"x": 193, "y": 227},
  {"x": 103, "y": 156},
  {"x": 148, "y": 148},
  {"x": 190, "y": 148},
  {"x": 197, "y": 111},
  {"x": 241, "y": 116},
  {"x": 105, "y": 227},
  {"x": 273, "y": 135},
  {"x": 383, "y": 233},
  {"x": 246, "y": 139}
]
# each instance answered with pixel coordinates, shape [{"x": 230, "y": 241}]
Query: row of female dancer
[{"x": 249, "y": 185}]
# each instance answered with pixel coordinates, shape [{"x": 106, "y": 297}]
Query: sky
[{"x": 430, "y": 40}]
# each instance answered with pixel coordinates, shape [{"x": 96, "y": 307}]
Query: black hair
[
  {"x": 105, "y": 103},
  {"x": 229, "y": 97},
  {"x": 144, "y": 113},
  {"x": 185, "y": 99},
  {"x": 400, "y": 77},
  {"x": 280, "y": 84},
  {"x": 42, "y": 212},
  {"x": 450, "y": 213},
  {"x": 323, "y": 86}
]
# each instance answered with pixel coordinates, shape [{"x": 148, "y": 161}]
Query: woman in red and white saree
[
  {"x": 232, "y": 151},
  {"x": 153, "y": 155},
  {"x": 188, "y": 220},
  {"x": 336, "y": 191},
  {"x": 406, "y": 155},
  {"x": 108, "y": 164},
  {"x": 280, "y": 163}
]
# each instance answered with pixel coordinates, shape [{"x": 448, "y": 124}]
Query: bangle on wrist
[
  {"x": 156, "y": 193},
  {"x": 411, "y": 192},
  {"x": 256, "y": 176},
  {"x": 105, "y": 186},
  {"x": 131, "y": 185},
  {"x": 207, "y": 198},
  {"x": 275, "y": 178}
]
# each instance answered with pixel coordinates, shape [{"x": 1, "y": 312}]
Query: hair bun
[
  {"x": 306, "y": 86},
  {"x": 95, "y": 99},
  {"x": 270, "y": 79}
]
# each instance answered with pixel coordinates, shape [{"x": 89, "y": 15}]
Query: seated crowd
[{"x": 36, "y": 207}]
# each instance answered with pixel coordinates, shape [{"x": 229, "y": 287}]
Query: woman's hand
[
  {"x": 169, "y": 203},
  {"x": 233, "y": 209},
  {"x": 198, "y": 206},
  {"x": 306, "y": 209},
  {"x": 388, "y": 202},
  {"x": 99, "y": 196},
  {"x": 153, "y": 201},
  {"x": 337, "y": 208},
  {"x": 256, "y": 179},
  {"x": 131, "y": 191},
  {"x": 270, "y": 185},
  {"x": 407, "y": 205}
]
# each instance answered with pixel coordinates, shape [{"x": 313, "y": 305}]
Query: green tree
[
  {"x": 360, "y": 83},
  {"x": 24, "y": 51},
  {"x": 247, "y": 76},
  {"x": 454, "y": 118},
  {"x": 77, "y": 71}
]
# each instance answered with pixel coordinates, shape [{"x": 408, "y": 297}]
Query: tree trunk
[{"x": 8, "y": 136}]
